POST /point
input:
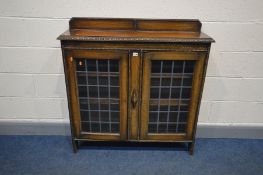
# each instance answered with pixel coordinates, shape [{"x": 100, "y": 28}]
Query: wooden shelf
[
  {"x": 172, "y": 102},
  {"x": 95, "y": 74}
]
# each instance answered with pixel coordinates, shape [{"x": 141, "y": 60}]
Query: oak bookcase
[{"x": 134, "y": 80}]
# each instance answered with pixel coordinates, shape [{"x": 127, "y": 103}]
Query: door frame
[
  {"x": 193, "y": 106},
  {"x": 70, "y": 56}
]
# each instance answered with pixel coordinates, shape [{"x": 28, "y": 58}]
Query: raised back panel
[
  {"x": 135, "y": 24},
  {"x": 169, "y": 25},
  {"x": 101, "y": 24}
]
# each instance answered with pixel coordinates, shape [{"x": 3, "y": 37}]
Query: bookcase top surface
[{"x": 135, "y": 30}]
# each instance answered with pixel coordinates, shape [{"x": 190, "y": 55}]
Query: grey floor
[{"x": 53, "y": 155}]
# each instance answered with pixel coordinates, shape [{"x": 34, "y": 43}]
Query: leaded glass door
[
  {"x": 169, "y": 94},
  {"x": 99, "y": 85}
]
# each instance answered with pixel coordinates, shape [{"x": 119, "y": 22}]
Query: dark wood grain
[
  {"x": 99, "y": 24},
  {"x": 135, "y": 24},
  {"x": 169, "y": 25},
  {"x": 118, "y": 39},
  {"x": 135, "y": 30},
  {"x": 135, "y": 67}
]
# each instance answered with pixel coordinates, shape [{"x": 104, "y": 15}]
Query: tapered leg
[
  {"x": 191, "y": 148},
  {"x": 75, "y": 145}
]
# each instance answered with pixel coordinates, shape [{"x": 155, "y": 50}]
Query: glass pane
[
  {"x": 85, "y": 126},
  {"x": 170, "y": 94},
  {"x": 162, "y": 128},
  {"x": 166, "y": 81},
  {"x": 176, "y": 81},
  {"x": 98, "y": 91},
  {"x": 154, "y": 107},
  {"x": 82, "y": 91},
  {"x": 184, "y": 105},
  {"x": 188, "y": 81},
  {"x": 175, "y": 92},
  {"x": 186, "y": 92},
  {"x": 94, "y": 116},
  {"x": 173, "y": 116},
  {"x": 93, "y": 91},
  {"x": 115, "y": 128},
  {"x": 114, "y": 92},
  {"x": 82, "y": 78},
  {"x": 171, "y": 128},
  {"x": 181, "y": 128},
  {"x": 152, "y": 128},
  {"x": 155, "y": 67},
  {"x": 91, "y": 65},
  {"x": 163, "y": 116},
  {"x": 189, "y": 67},
  {"x": 103, "y": 65},
  {"x": 183, "y": 117},
  {"x": 115, "y": 106},
  {"x": 95, "y": 127},
  {"x": 167, "y": 67},
  {"x": 104, "y": 107},
  {"x": 103, "y": 80},
  {"x": 163, "y": 107},
  {"x": 105, "y": 127},
  {"x": 114, "y": 80},
  {"x": 104, "y": 116},
  {"x": 114, "y": 66},
  {"x": 93, "y": 105},
  {"x": 154, "y": 93},
  {"x": 153, "y": 116},
  {"x": 103, "y": 92},
  {"x": 92, "y": 80},
  {"x": 174, "y": 107},
  {"x": 155, "y": 81},
  {"x": 84, "y": 116},
  {"x": 115, "y": 116},
  {"x": 165, "y": 93},
  {"x": 178, "y": 66}
]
